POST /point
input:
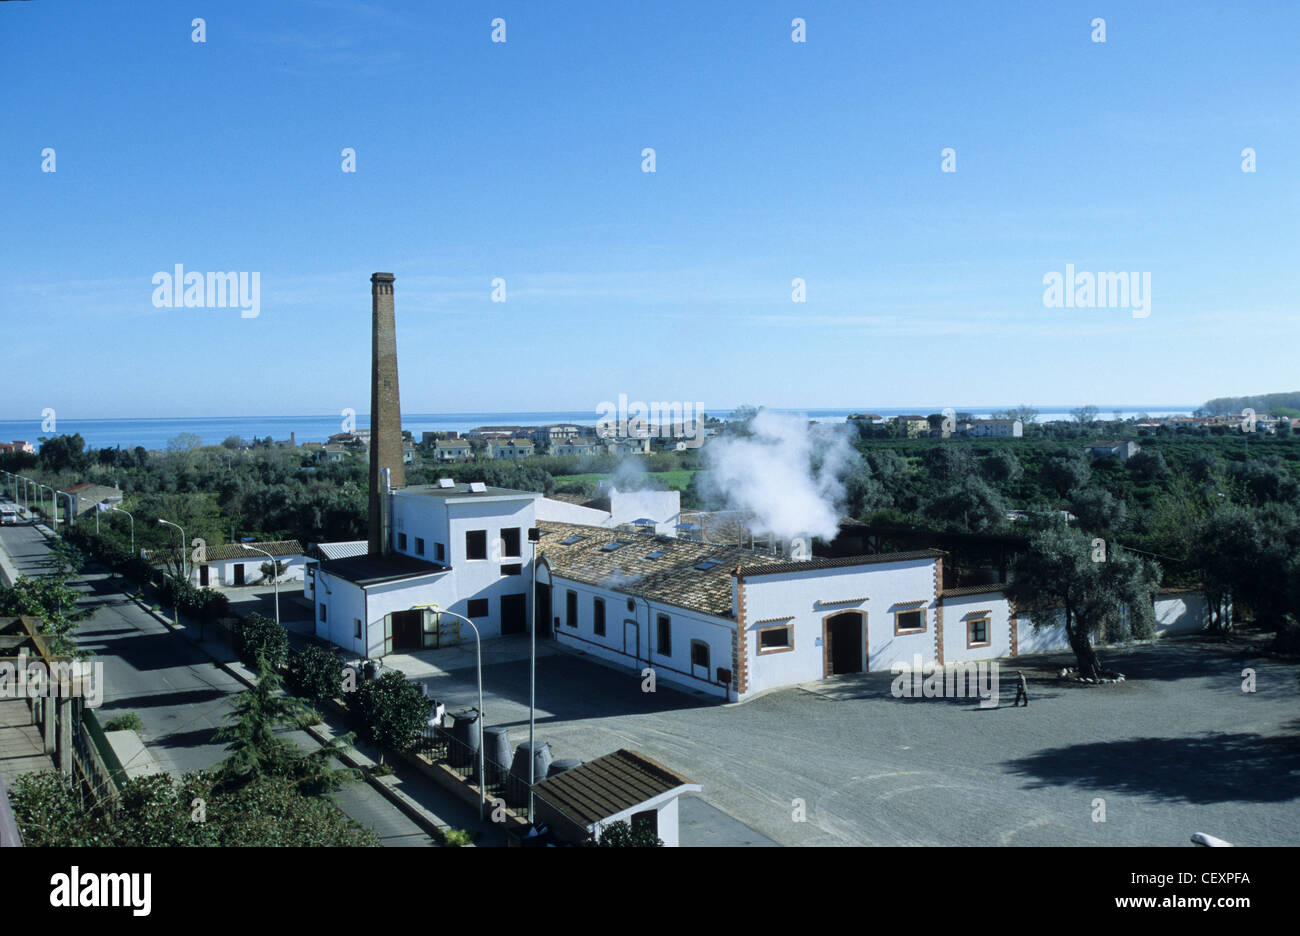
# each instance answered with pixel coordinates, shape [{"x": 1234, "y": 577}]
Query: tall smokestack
[{"x": 385, "y": 408}]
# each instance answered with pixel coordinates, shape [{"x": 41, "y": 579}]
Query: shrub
[
  {"x": 393, "y": 711},
  {"x": 127, "y": 721},
  {"x": 258, "y": 635},
  {"x": 315, "y": 674}
]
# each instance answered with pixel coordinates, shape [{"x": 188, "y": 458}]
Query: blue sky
[{"x": 522, "y": 160}]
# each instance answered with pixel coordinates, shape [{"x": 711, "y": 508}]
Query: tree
[
  {"x": 258, "y": 636},
  {"x": 1148, "y": 466},
  {"x": 1064, "y": 472},
  {"x": 255, "y": 749},
  {"x": 315, "y": 674},
  {"x": 1001, "y": 467},
  {"x": 1098, "y": 511},
  {"x": 64, "y": 453},
  {"x": 158, "y": 811},
  {"x": 393, "y": 711},
  {"x": 949, "y": 463},
  {"x": 621, "y": 835},
  {"x": 972, "y": 503},
  {"x": 185, "y": 442},
  {"x": 1084, "y": 415},
  {"x": 1064, "y": 578}
]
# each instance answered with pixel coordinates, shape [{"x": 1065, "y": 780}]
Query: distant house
[
  {"x": 912, "y": 426},
  {"x": 873, "y": 419},
  {"x": 232, "y": 566},
  {"x": 1119, "y": 448},
  {"x": 994, "y": 428},
  {"x": 625, "y": 786},
  {"x": 408, "y": 453},
  {"x": 86, "y": 495},
  {"x": 576, "y": 447},
  {"x": 457, "y": 450},
  {"x": 510, "y": 448},
  {"x": 9, "y": 448}
]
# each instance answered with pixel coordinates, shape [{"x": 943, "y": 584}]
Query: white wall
[
  {"x": 563, "y": 512},
  {"x": 631, "y": 637},
  {"x": 809, "y": 597},
  {"x": 958, "y": 611},
  {"x": 663, "y": 507}
]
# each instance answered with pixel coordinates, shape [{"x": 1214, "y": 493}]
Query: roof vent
[
  {"x": 477, "y": 487},
  {"x": 446, "y": 483},
  {"x": 708, "y": 564}
]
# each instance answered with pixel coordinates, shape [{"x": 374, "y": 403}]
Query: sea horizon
[{"x": 153, "y": 432}]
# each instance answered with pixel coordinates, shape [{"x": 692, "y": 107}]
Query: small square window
[
  {"x": 478, "y": 608},
  {"x": 439, "y": 552},
  {"x": 401, "y": 540},
  {"x": 476, "y": 544},
  {"x": 419, "y": 546},
  {"x": 356, "y": 628},
  {"x": 977, "y": 632},
  {"x": 513, "y": 568},
  {"x": 322, "y": 613},
  {"x": 912, "y": 619},
  {"x": 775, "y": 639}
]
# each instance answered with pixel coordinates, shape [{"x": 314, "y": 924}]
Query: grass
[
  {"x": 677, "y": 479},
  {"x": 127, "y": 721}
]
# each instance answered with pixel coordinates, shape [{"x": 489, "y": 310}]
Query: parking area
[{"x": 1175, "y": 749}]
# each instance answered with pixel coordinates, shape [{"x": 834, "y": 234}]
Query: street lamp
[
  {"x": 72, "y": 513},
  {"x": 185, "y": 572},
  {"x": 275, "y": 576},
  {"x": 176, "y": 611},
  {"x": 534, "y": 536},
  {"x": 482, "y": 719},
  {"x": 120, "y": 510}
]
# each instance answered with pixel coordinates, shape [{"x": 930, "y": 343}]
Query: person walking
[{"x": 1022, "y": 690}]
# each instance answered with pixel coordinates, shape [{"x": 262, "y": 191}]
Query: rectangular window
[
  {"x": 665, "y": 632},
  {"x": 476, "y": 544},
  {"x": 598, "y": 616},
  {"x": 356, "y": 628},
  {"x": 322, "y": 614},
  {"x": 510, "y": 542},
  {"x": 419, "y": 546},
  {"x": 571, "y": 608},
  {"x": 401, "y": 540},
  {"x": 977, "y": 632},
  {"x": 512, "y": 569},
  {"x": 775, "y": 639},
  {"x": 439, "y": 552},
  {"x": 478, "y": 608},
  {"x": 700, "y": 655},
  {"x": 910, "y": 621}
]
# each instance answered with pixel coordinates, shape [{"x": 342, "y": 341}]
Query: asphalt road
[{"x": 179, "y": 693}]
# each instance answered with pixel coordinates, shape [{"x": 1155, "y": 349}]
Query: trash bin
[
  {"x": 540, "y": 754},
  {"x": 496, "y": 754},
  {"x": 465, "y": 739}
]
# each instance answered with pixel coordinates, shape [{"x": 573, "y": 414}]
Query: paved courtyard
[{"x": 1177, "y": 748}]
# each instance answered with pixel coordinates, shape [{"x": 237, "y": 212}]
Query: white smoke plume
[{"x": 787, "y": 473}]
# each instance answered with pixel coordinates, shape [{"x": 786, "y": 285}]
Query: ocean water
[{"x": 212, "y": 430}]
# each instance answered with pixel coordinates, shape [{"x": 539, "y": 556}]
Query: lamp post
[
  {"x": 275, "y": 576},
  {"x": 534, "y": 536},
  {"x": 482, "y": 719},
  {"x": 120, "y": 510},
  {"x": 176, "y": 612},
  {"x": 72, "y": 513}
]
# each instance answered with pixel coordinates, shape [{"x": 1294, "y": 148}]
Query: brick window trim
[
  {"x": 905, "y": 608},
  {"x": 987, "y": 618},
  {"x": 758, "y": 640}
]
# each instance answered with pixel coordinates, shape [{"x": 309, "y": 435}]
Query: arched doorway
[{"x": 844, "y": 641}]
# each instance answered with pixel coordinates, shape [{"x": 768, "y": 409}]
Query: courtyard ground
[{"x": 1175, "y": 749}]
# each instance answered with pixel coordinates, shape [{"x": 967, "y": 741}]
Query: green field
[{"x": 676, "y": 479}]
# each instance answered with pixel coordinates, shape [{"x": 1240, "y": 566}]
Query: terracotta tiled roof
[
  {"x": 609, "y": 785},
  {"x": 279, "y": 548},
  {"x": 671, "y": 579}
]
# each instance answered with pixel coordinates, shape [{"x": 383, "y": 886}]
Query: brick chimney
[{"x": 385, "y": 410}]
